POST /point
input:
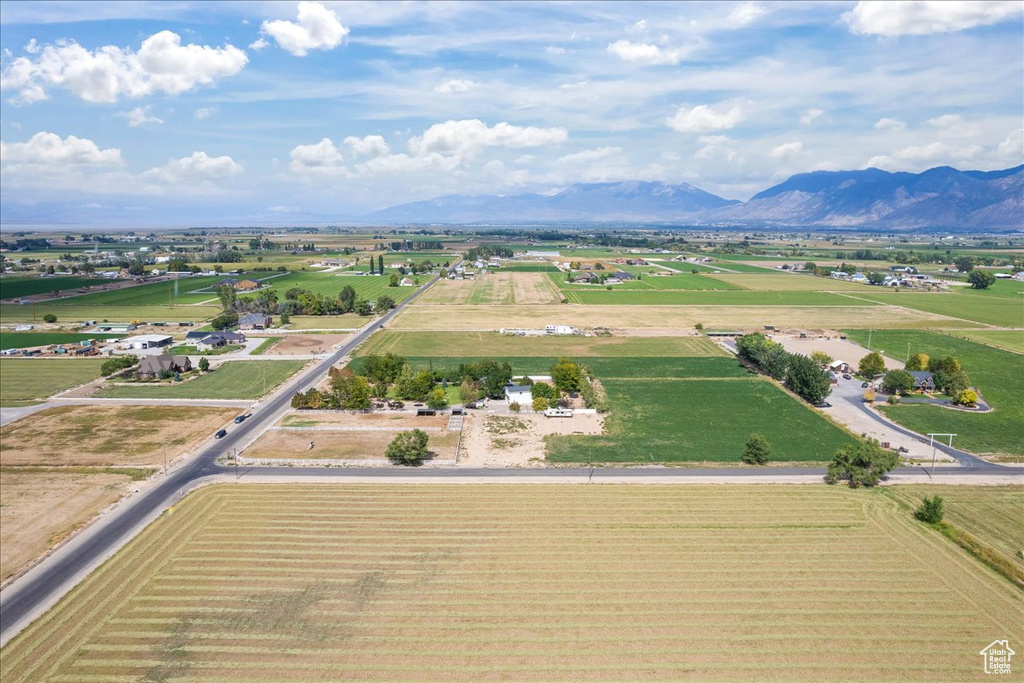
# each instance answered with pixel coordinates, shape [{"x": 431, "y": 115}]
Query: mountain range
[{"x": 941, "y": 197}]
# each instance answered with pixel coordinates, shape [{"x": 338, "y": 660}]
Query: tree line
[{"x": 800, "y": 374}]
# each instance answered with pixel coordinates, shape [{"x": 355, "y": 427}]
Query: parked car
[
  {"x": 847, "y": 377},
  {"x": 863, "y": 385},
  {"x": 220, "y": 434},
  {"x": 241, "y": 418}
]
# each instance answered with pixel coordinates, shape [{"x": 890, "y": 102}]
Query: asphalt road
[{"x": 39, "y": 588}]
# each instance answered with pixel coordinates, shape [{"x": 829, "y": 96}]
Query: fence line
[{"x": 341, "y": 428}]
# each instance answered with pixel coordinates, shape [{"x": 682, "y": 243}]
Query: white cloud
[
  {"x": 716, "y": 146},
  {"x": 810, "y": 115},
  {"x": 930, "y": 154},
  {"x": 588, "y": 155},
  {"x": 705, "y": 119},
  {"x": 578, "y": 85},
  {"x": 1012, "y": 147},
  {"x": 638, "y": 27},
  {"x": 369, "y": 146},
  {"x": 455, "y": 85},
  {"x": 32, "y": 47},
  {"x": 922, "y": 17},
  {"x": 198, "y": 168},
  {"x": 953, "y": 125},
  {"x": 554, "y": 50},
  {"x": 162, "y": 65},
  {"x": 787, "y": 150},
  {"x": 317, "y": 28},
  {"x": 48, "y": 149},
  {"x": 890, "y": 124},
  {"x": 205, "y": 112},
  {"x": 745, "y": 14},
  {"x": 469, "y": 136},
  {"x": 643, "y": 53},
  {"x": 259, "y": 44},
  {"x": 140, "y": 115},
  {"x": 323, "y": 157}
]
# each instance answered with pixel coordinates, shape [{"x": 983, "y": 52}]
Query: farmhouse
[
  {"x": 622, "y": 276},
  {"x": 254, "y": 321},
  {"x": 148, "y": 341},
  {"x": 152, "y": 366},
  {"x": 408, "y": 281},
  {"x": 518, "y": 393},
  {"x": 247, "y": 286},
  {"x": 589, "y": 278},
  {"x": 923, "y": 380}
]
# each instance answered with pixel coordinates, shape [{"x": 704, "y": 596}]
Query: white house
[
  {"x": 559, "y": 329},
  {"x": 518, "y": 393}
]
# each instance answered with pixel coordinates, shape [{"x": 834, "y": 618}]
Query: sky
[{"x": 216, "y": 113}]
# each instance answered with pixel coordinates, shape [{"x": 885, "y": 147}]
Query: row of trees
[{"x": 801, "y": 375}]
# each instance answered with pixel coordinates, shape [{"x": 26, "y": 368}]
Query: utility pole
[
  {"x": 908, "y": 352},
  {"x": 869, "y": 339}
]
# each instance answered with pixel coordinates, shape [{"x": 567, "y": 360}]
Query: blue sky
[{"x": 182, "y": 113}]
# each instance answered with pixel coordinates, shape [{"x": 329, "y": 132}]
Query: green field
[
  {"x": 27, "y": 379},
  {"x": 483, "y": 343},
  {"x": 528, "y": 268},
  {"x": 1002, "y": 305},
  {"x": 21, "y": 340},
  {"x": 996, "y": 373},
  {"x": 13, "y": 287},
  {"x": 330, "y": 284},
  {"x": 1010, "y": 340},
  {"x": 234, "y": 379},
  {"x": 711, "y": 298},
  {"x": 526, "y": 583},
  {"x": 181, "y": 292},
  {"x": 990, "y": 514},
  {"x": 69, "y": 312},
  {"x": 683, "y": 281},
  {"x": 700, "y": 420}
]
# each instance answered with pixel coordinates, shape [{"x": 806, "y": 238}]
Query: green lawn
[
  {"x": 1001, "y": 305},
  {"x": 26, "y": 379},
  {"x": 698, "y": 420},
  {"x": 998, "y": 374},
  {"x": 233, "y": 379},
  {"x": 71, "y": 313},
  {"x": 1011, "y": 340},
  {"x": 264, "y": 345},
  {"x": 21, "y": 340},
  {"x": 330, "y": 284},
  {"x": 712, "y": 298},
  {"x": 17, "y": 286}
]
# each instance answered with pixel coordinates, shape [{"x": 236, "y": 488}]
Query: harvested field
[
  {"x": 108, "y": 435},
  {"x": 789, "y": 282},
  {"x": 492, "y": 343},
  {"x": 502, "y": 287},
  {"x": 490, "y": 318},
  {"x": 25, "y": 379},
  {"x": 661, "y": 297},
  {"x": 305, "y": 343},
  {"x": 517, "y": 440},
  {"x": 41, "y": 508},
  {"x": 71, "y": 311},
  {"x": 525, "y": 582}
]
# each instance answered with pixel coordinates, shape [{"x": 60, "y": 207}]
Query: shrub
[
  {"x": 437, "y": 398},
  {"x": 757, "y": 450},
  {"x": 408, "y": 448},
  {"x": 540, "y": 404},
  {"x": 863, "y": 464},
  {"x": 514, "y": 407},
  {"x": 204, "y": 365},
  {"x": 49, "y": 318},
  {"x": 893, "y": 400},
  {"x": 930, "y": 511},
  {"x": 869, "y": 396},
  {"x": 542, "y": 390},
  {"x": 112, "y": 365},
  {"x": 967, "y": 397}
]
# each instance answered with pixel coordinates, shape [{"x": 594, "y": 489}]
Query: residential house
[
  {"x": 215, "y": 340},
  {"x": 586, "y": 278},
  {"x": 839, "y": 366},
  {"x": 622, "y": 276},
  {"x": 407, "y": 282},
  {"x": 923, "y": 380},
  {"x": 230, "y": 281},
  {"x": 254, "y": 321},
  {"x": 152, "y": 366},
  {"x": 519, "y": 393},
  {"x": 247, "y": 286}
]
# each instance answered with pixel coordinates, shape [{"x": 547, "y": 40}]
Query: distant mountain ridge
[{"x": 941, "y": 197}]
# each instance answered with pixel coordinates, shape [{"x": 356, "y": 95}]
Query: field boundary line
[{"x": 345, "y": 428}]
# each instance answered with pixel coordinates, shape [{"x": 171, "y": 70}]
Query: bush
[
  {"x": 893, "y": 400},
  {"x": 542, "y": 390},
  {"x": 224, "y": 320},
  {"x": 967, "y": 397},
  {"x": 872, "y": 364},
  {"x": 204, "y": 365},
  {"x": 540, "y": 404},
  {"x": 931, "y": 510},
  {"x": 863, "y": 464},
  {"x": 514, "y": 407},
  {"x": 112, "y": 365},
  {"x": 757, "y": 450},
  {"x": 437, "y": 398},
  {"x": 408, "y": 448},
  {"x": 869, "y": 396},
  {"x": 49, "y": 318}
]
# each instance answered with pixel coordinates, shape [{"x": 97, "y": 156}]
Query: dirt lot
[
  {"x": 838, "y": 348},
  {"x": 517, "y": 440},
  {"x": 41, "y": 508},
  {"x": 474, "y": 317},
  {"x": 108, "y": 435},
  {"x": 295, "y": 344}
]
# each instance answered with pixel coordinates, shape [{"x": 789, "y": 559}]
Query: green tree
[
  {"x": 862, "y": 464},
  {"x": 393, "y": 282},
  {"x": 363, "y": 307},
  {"x": 49, "y": 318},
  {"x": 380, "y": 390},
  {"x": 540, "y": 404},
  {"x": 299, "y": 401},
  {"x": 964, "y": 264},
  {"x": 931, "y": 510},
  {"x": 350, "y": 391},
  {"x": 542, "y": 390},
  {"x": 807, "y": 379},
  {"x": 876, "y": 278},
  {"x": 347, "y": 299},
  {"x": 981, "y": 279},
  {"x": 385, "y": 368},
  {"x": 204, "y": 364},
  {"x": 437, "y": 398},
  {"x": 380, "y": 263},
  {"x": 408, "y": 448},
  {"x": 821, "y": 358},
  {"x": 285, "y": 318},
  {"x": 224, "y": 321},
  {"x": 384, "y": 303},
  {"x": 227, "y": 295},
  {"x": 757, "y": 450},
  {"x": 871, "y": 364},
  {"x": 566, "y": 375},
  {"x": 897, "y": 382},
  {"x": 470, "y": 391},
  {"x": 919, "y": 361},
  {"x": 951, "y": 382},
  {"x": 112, "y": 365}
]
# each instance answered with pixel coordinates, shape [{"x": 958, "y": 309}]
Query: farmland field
[
  {"x": 500, "y": 288},
  {"x": 71, "y": 311},
  {"x": 22, "y": 340},
  {"x": 108, "y": 435},
  {"x": 666, "y": 281},
  {"x": 25, "y": 379},
  {"x": 16, "y": 287},
  {"x": 683, "y": 367},
  {"x": 525, "y": 582},
  {"x": 330, "y": 284},
  {"x": 178, "y": 292},
  {"x": 1010, "y": 340},
  {"x": 790, "y": 282},
  {"x": 711, "y": 298},
  {"x": 467, "y": 317},
  {"x": 1003, "y": 307},
  {"x": 233, "y": 379},
  {"x": 484, "y": 343},
  {"x": 996, "y": 373},
  {"x": 697, "y": 420}
]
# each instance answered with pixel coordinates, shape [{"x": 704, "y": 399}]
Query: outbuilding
[{"x": 148, "y": 341}]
